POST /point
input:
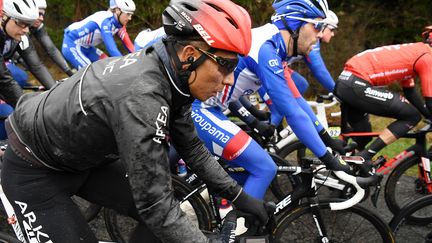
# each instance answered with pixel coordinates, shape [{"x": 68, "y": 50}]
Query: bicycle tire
[
  {"x": 298, "y": 225},
  {"x": 119, "y": 227},
  {"x": 400, "y": 189},
  {"x": 6, "y": 238},
  {"x": 283, "y": 183},
  {"x": 406, "y": 232}
]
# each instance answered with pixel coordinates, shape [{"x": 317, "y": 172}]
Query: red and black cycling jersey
[{"x": 395, "y": 63}]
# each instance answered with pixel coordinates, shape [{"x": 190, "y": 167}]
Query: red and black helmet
[
  {"x": 222, "y": 24},
  {"x": 427, "y": 35}
]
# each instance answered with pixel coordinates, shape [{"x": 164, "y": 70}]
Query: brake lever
[{"x": 375, "y": 194}]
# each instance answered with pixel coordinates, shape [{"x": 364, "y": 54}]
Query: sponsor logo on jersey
[
  {"x": 388, "y": 73},
  {"x": 345, "y": 75},
  {"x": 202, "y": 124},
  {"x": 161, "y": 121},
  {"x": 379, "y": 95}
]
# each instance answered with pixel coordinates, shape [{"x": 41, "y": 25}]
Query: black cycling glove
[
  {"x": 264, "y": 129},
  {"x": 335, "y": 144},
  {"x": 335, "y": 163},
  {"x": 246, "y": 203}
]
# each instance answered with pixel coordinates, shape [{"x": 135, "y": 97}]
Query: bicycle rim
[
  {"x": 404, "y": 186},
  {"x": 120, "y": 227},
  {"x": 355, "y": 224},
  {"x": 407, "y": 232}
]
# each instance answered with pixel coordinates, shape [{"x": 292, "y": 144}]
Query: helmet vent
[
  {"x": 127, "y": 4},
  {"x": 26, "y": 3},
  {"x": 17, "y": 8},
  {"x": 190, "y": 7}
]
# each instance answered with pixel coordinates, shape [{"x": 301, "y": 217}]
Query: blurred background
[{"x": 363, "y": 24}]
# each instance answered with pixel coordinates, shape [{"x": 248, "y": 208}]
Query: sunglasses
[
  {"x": 320, "y": 26},
  {"x": 41, "y": 14},
  {"x": 22, "y": 24},
  {"x": 228, "y": 65}
]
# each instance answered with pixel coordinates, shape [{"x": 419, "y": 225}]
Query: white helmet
[
  {"x": 127, "y": 6},
  {"x": 331, "y": 19},
  {"x": 23, "y": 10},
  {"x": 41, "y": 4}
]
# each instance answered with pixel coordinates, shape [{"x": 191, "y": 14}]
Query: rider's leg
[
  {"x": 42, "y": 203},
  {"x": 75, "y": 54}
]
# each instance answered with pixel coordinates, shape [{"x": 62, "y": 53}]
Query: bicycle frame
[
  {"x": 12, "y": 220},
  {"x": 288, "y": 136}
]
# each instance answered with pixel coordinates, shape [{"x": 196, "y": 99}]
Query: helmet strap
[
  {"x": 4, "y": 24},
  {"x": 294, "y": 36},
  {"x": 182, "y": 73}
]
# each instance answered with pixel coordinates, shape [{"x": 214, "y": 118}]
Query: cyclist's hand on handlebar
[
  {"x": 248, "y": 204},
  {"x": 336, "y": 163},
  {"x": 264, "y": 129}
]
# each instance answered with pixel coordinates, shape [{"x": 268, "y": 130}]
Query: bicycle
[
  {"x": 291, "y": 213},
  {"x": 409, "y": 167},
  {"x": 407, "y": 228}
]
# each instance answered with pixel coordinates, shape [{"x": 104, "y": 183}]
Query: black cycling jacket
[
  {"x": 32, "y": 61},
  {"x": 129, "y": 107},
  {"x": 10, "y": 91},
  {"x": 42, "y": 36}
]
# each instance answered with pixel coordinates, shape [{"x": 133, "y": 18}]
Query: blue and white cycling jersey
[
  {"x": 264, "y": 67},
  {"x": 147, "y": 37},
  {"x": 95, "y": 29}
]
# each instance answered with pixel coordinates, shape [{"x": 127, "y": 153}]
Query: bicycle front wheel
[
  {"x": 120, "y": 227},
  {"x": 405, "y": 185},
  {"x": 406, "y": 232},
  {"x": 355, "y": 224}
]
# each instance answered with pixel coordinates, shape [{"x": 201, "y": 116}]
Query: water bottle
[{"x": 181, "y": 168}]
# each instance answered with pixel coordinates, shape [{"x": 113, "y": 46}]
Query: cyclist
[
  {"x": 65, "y": 141},
  {"x": 19, "y": 43},
  {"x": 359, "y": 86},
  {"x": 292, "y": 32},
  {"x": 81, "y": 38},
  {"x": 38, "y": 31},
  {"x": 314, "y": 61}
]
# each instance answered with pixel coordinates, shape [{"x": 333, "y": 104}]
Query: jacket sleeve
[
  {"x": 48, "y": 45},
  {"x": 196, "y": 155},
  {"x": 33, "y": 62},
  {"x": 10, "y": 91},
  {"x": 141, "y": 137}
]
